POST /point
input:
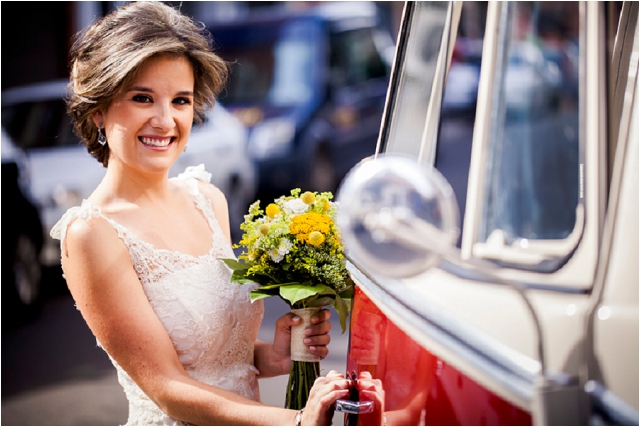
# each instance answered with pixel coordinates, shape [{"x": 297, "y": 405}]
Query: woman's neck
[{"x": 134, "y": 186}]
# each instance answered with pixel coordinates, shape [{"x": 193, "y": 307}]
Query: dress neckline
[{"x": 197, "y": 199}]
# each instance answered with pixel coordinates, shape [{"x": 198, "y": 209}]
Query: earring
[
  {"x": 102, "y": 139},
  {"x": 185, "y": 149}
]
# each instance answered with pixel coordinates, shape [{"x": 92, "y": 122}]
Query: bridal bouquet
[{"x": 293, "y": 250}]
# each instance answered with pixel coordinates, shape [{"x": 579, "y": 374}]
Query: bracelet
[{"x": 299, "y": 417}]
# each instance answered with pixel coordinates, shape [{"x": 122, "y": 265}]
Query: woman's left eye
[{"x": 182, "y": 101}]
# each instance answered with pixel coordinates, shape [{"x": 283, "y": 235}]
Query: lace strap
[
  {"x": 85, "y": 211},
  {"x": 196, "y": 172},
  {"x": 191, "y": 176}
]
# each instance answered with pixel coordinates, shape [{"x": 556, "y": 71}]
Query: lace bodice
[{"x": 212, "y": 322}]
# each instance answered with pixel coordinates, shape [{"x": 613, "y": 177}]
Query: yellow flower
[
  {"x": 315, "y": 238},
  {"x": 264, "y": 229},
  {"x": 272, "y": 210},
  {"x": 326, "y": 206},
  {"x": 302, "y": 226},
  {"x": 308, "y": 197}
]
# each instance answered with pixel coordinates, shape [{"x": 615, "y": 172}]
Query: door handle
[{"x": 353, "y": 407}]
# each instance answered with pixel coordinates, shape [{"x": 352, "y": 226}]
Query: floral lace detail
[
  {"x": 196, "y": 172},
  {"x": 212, "y": 323}
]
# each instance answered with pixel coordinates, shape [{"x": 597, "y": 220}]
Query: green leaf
[
  {"x": 236, "y": 265},
  {"x": 299, "y": 292},
  {"x": 241, "y": 280},
  {"x": 258, "y": 294},
  {"x": 343, "y": 311},
  {"x": 319, "y": 302}
]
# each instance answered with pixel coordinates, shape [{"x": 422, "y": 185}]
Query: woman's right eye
[{"x": 142, "y": 98}]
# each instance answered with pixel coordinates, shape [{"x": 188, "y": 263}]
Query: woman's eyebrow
[
  {"x": 148, "y": 90},
  {"x": 140, "y": 89}
]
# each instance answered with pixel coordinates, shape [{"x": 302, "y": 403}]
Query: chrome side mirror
[{"x": 398, "y": 217}]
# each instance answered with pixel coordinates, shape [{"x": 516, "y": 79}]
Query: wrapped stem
[{"x": 305, "y": 367}]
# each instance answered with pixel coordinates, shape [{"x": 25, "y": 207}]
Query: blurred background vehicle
[
  {"x": 311, "y": 85},
  {"x": 63, "y": 173},
  {"x": 22, "y": 237}
]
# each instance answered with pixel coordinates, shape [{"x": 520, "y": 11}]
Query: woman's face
[{"x": 148, "y": 125}]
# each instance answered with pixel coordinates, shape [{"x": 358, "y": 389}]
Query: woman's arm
[{"x": 109, "y": 295}]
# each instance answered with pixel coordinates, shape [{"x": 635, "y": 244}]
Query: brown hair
[{"x": 106, "y": 56}]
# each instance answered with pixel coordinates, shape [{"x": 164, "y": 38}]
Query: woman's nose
[{"x": 162, "y": 118}]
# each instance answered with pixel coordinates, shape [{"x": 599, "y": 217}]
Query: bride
[{"x": 141, "y": 254}]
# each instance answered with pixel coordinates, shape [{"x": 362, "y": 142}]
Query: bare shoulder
[
  {"x": 84, "y": 236},
  {"x": 219, "y": 205},
  {"x": 212, "y": 192},
  {"x": 216, "y": 197}
]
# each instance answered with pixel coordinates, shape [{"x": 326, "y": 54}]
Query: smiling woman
[
  {"x": 154, "y": 116},
  {"x": 155, "y": 293}
]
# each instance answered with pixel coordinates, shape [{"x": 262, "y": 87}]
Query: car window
[
  {"x": 455, "y": 136},
  {"x": 272, "y": 64},
  {"x": 531, "y": 178},
  {"x": 355, "y": 58},
  {"x": 412, "y": 84},
  {"x": 41, "y": 124},
  {"x": 533, "y": 182}
]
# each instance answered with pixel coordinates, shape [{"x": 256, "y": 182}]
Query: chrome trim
[
  {"x": 467, "y": 274},
  {"x": 609, "y": 409}
]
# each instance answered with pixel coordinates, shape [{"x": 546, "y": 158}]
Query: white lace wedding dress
[{"x": 212, "y": 323}]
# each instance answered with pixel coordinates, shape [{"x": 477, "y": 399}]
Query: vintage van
[{"x": 496, "y": 256}]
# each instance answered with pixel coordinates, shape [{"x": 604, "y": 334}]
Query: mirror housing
[{"x": 398, "y": 217}]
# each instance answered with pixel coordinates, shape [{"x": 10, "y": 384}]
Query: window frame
[{"x": 576, "y": 255}]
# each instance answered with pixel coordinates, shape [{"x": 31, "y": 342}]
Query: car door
[{"x": 507, "y": 323}]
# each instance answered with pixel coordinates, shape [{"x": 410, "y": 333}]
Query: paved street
[{"x": 54, "y": 374}]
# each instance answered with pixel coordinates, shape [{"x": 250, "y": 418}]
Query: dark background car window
[
  {"x": 273, "y": 62},
  {"x": 354, "y": 58},
  {"x": 39, "y": 124}
]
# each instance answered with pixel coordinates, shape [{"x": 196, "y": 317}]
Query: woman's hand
[
  {"x": 316, "y": 336},
  {"x": 325, "y": 391},
  {"x": 275, "y": 359}
]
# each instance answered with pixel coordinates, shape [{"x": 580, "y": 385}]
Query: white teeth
[{"x": 162, "y": 142}]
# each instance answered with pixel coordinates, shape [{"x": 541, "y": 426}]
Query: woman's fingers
[
  {"x": 325, "y": 391},
  {"x": 321, "y": 316},
  {"x": 317, "y": 334}
]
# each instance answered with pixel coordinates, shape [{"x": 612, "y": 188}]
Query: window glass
[
  {"x": 406, "y": 117},
  {"x": 39, "y": 124},
  {"x": 455, "y": 137},
  {"x": 532, "y": 183},
  {"x": 273, "y": 64},
  {"x": 355, "y": 58}
]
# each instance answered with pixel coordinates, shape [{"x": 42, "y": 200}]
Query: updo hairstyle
[{"x": 106, "y": 57}]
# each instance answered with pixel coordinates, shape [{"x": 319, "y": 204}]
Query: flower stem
[{"x": 301, "y": 379}]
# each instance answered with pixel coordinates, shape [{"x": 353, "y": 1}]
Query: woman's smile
[{"x": 157, "y": 142}]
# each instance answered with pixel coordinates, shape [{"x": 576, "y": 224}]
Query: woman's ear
[{"x": 98, "y": 118}]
